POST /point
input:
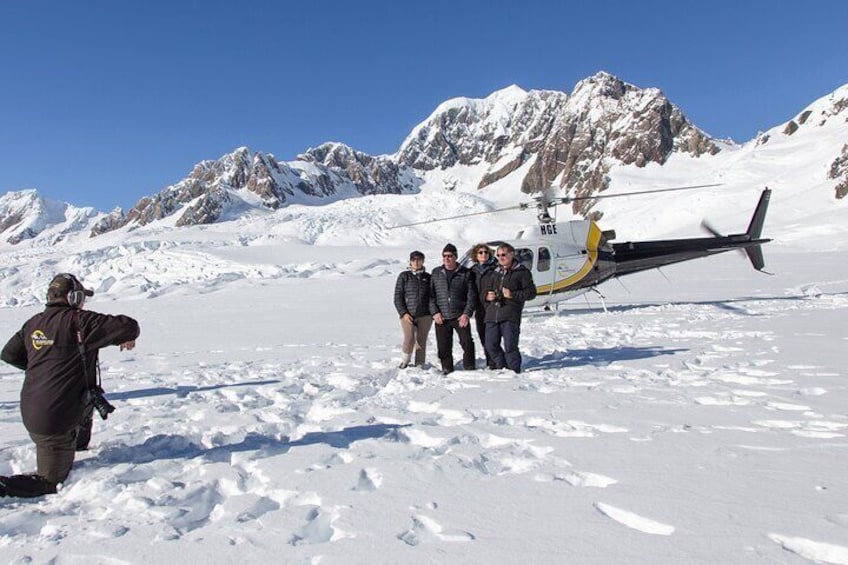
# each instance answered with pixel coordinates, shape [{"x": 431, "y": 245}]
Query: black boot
[{"x": 26, "y": 486}]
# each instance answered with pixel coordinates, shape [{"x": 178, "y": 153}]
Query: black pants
[
  {"x": 444, "y": 341},
  {"x": 54, "y": 455},
  {"x": 480, "y": 320},
  {"x": 84, "y": 432}
]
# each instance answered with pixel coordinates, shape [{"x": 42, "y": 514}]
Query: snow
[{"x": 702, "y": 418}]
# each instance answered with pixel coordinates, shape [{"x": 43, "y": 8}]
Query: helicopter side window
[
  {"x": 525, "y": 257},
  {"x": 544, "y": 263}
]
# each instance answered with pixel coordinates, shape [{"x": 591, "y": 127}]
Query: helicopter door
[
  {"x": 544, "y": 273},
  {"x": 525, "y": 257}
]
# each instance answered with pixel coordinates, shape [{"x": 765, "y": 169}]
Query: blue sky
[{"x": 103, "y": 102}]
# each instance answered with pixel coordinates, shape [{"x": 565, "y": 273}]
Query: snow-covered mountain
[
  {"x": 570, "y": 140},
  {"x": 262, "y": 416},
  {"x": 26, "y": 214},
  {"x": 220, "y": 190},
  {"x": 468, "y": 156},
  {"x": 529, "y": 141}
]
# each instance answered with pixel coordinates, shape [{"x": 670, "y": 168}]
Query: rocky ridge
[
  {"x": 572, "y": 140},
  {"x": 538, "y": 138}
]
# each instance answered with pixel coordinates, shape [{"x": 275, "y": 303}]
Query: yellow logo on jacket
[{"x": 40, "y": 340}]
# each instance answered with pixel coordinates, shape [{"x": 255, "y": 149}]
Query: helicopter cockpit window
[
  {"x": 544, "y": 263},
  {"x": 525, "y": 257}
]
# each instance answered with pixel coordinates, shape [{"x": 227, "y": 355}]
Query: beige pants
[{"x": 415, "y": 338}]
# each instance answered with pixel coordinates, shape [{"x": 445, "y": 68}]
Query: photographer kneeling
[{"x": 58, "y": 350}]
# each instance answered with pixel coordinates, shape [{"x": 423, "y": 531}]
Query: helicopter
[{"x": 568, "y": 259}]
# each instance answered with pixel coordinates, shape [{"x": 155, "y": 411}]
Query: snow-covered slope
[
  {"x": 26, "y": 215},
  {"x": 262, "y": 417},
  {"x": 805, "y": 162}
]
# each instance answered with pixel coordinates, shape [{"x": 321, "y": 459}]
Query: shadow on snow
[
  {"x": 166, "y": 446},
  {"x": 595, "y": 356},
  {"x": 731, "y": 304},
  {"x": 180, "y": 391}
]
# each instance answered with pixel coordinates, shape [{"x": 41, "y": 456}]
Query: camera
[
  {"x": 97, "y": 398},
  {"x": 499, "y": 297}
]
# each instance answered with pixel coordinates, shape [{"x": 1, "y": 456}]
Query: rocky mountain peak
[
  {"x": 571, "y": 140},
  {"x": 537, "y": 138},
  {"x": 600, "y": 85},
  {"x": 242, "y": 178},
  {"x": 25, "y": 214}
]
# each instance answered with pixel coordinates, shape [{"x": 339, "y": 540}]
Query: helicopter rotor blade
[
  {"x": 715, "y": 233},
  {"x": 570, "y": 199},
  {"x": 709, "y": 228},
  {"x": 518, "y": 207},
  {"x": 545, "y": 201}
]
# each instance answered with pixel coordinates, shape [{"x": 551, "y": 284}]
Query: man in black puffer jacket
[
  {"x": 505, "y": 290},
  {"x": 412, "y": 302},
  {"x": 453, "y": 297},
  {"x": 56, "y": 395}
]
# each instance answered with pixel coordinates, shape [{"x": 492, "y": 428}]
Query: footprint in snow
[
  {"x": 319, "y": 528},
  {"x": 634, "y": 521},
  {"x": 427, "y": 530},
  {"x": 580, "y": 479},
  {"x": 369, "y": 480},
  {"x": 819, "y": 552}
]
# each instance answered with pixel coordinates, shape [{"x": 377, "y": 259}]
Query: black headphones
[{"x": 76, "y": 296}]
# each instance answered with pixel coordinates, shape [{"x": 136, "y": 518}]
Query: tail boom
[{"x": 632, "y": 257}]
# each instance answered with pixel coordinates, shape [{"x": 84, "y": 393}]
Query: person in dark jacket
[
  {"x": 452, "y": 302},
  {"x": 412, "y": 302},
  {"x": 58, "y": 350},
  {"x": 505, "y": 290},
  {"x": 484, "y": 262}
]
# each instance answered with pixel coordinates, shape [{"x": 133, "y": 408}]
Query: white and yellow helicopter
[{"x": 570, "y": 258}]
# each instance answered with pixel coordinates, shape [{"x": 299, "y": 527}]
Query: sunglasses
[
  {"x": 504, "y": 254},
  {"x": 482, "y": 252}
]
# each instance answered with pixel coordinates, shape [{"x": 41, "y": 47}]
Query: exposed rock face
[
  {"x": 574, "y": 138},
  {"x": 213, "y": 187},
  {"x": 370, "y": 175},
  {"x": 839, "y": 172},
  {"x": 540, "y": 138},
  {"x": 544, "y": 136}
]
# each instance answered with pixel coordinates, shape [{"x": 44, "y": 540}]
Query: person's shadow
[
  {"x": 595, "y": 356},
  {"x": 173, "y": 446},
  {"x": 180, "y": 391}
]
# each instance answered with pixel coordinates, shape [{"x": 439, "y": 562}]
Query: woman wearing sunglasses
[{"x": 484, "y": 261}]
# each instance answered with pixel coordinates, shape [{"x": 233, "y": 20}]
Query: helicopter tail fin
[{"x": 755, "y": 229}]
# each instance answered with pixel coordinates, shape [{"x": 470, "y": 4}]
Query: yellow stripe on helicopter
[{"x": 592, "y": 242}]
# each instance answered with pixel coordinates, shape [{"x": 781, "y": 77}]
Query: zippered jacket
[
  {"x": 412, "y": 293},
  {"x": 478, "y": 270},
  {"x": 455, "y": 298},
  {"x": 519, "y": 280},
  {"x": 55, "y": 386}
]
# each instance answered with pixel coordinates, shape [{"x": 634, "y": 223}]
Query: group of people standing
[
  {"x": 58, "y": 348},
  {"x": 493, "y": 291}
]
